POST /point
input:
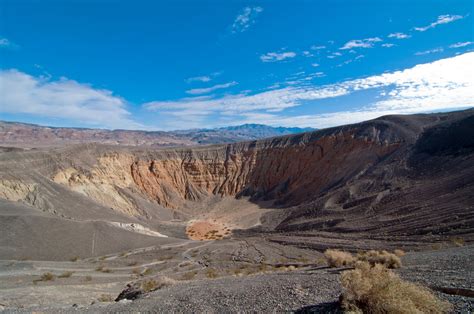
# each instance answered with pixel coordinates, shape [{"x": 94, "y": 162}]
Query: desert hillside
[{"x": 393, "y": 182}]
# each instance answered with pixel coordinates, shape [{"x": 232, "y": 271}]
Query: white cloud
[
  {"x": 387, "y": 45},
  {"x": 399, "y": 35},
  {"x": 420, "y": 53},
  {"x": 314, "y": 64},
  {"x": 314, "y": 47},
  {"x": 198, "y": 91},
  {"x": 307, "y": 54},
  {"x": 334, "y": 55},
  {"x": 461, "y": 44},
  {"x": 246, "y": 18},
  {"x": 442, "y": 84},
  {"x": 4, "y": 42},
  {"x": 203, "y": 78},
  {"x": 442, "y": 19},
  {"x": 277, "y": 56},
  {"x": 361, "y": 43},
  {"x": 62, "y": 99}
]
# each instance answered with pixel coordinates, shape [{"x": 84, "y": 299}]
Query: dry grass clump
[
  {"x": 189, "y": 275},
  {"x": 211, "y": 273},
  {"x": 336, "y": 258},
  {"x": 376, "y": 289},
  {"x": 155, "y": 284},
  {"x": 458, "y": 241},
  {"x": 373, "y": 257},
  {"x": 399, "y": 252},
  {"x": 105, "y": 298},
  {"x": 74, "y": 259},
  {"x": 45, "y": 277},
  {"x": 66, "y": 274},
  {"x": 87, "y": 278}
]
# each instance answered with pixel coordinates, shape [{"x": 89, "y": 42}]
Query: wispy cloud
[
  {"x": 461, "y": 44},
  {"x": 245, "y": 18},
  {"x": 206, "y": 90},
  {"x": 277, "y": 56},
  {"x": 442, "y": 19},
  {"x": 334, "y": 55},
  {"x": 315, "y": 47},
  {"x": 388, "y": 45},
  {"x": 314, "y": 64},
  {"x": 203, "y": 78},
  {"x": 62, "y": 99},
  {"x": 308, "y": 54},
  {"x": 399, "y": 36},
  {"x": 426, "y": 52},
  {"x": 360, "y": 43},
  {"x": 6, "y": 43},
  {"x": 442, "y": 84}
]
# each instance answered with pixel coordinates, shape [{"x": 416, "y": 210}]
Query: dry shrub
[
  {"x": 211, "y": 273},
  {"x": 132, "y": 263},
  {"x": 336, "y": 258},
  {"x": 385, "y": 258},
  {"x": 87, "y": 278},
  {"x": 155, "y": 284},
  {"x": 376, "y": 289},
  {"x": 105, "y": 298},
  {"x": 47, "y": 277},
  {"x": 458, "y": 241},
  {"x": 66, "y": 274},
  {"x": 147, "y": 271},
  {"x": 399, "y": 252},
  {"x": 189, "y": 275},
  {"x": 74, "y": 259}
]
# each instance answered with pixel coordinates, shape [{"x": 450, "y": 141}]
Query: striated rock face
[{"x": 291, "y": 169}]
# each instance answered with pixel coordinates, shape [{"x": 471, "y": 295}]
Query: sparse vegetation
[
  {"x": 157, "y": 283},
  {"x": 458, "y": 241},
  {"x": 105, "y": 298},
  {"x": 74, "y": 259},
  {"x": 45, "y": 277},
  {"x": 87, "y": 278},
  {"x": 66, "y": 274},
  {"x": 373, "y": 257},
  {"x": 147, "y": 271},
  {"x": 211, "y": 273},
  {"x": 399, "y": 252},
  {"x": 376, "y": 289},
  {"x": 132, "y": 263},
  {"x": 336, "y": 258},
  {"x": 189, "y": 275},
  {"x": 103, "y": 269}
]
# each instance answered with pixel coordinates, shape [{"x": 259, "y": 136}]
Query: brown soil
[{"x": 207, "y": 230}]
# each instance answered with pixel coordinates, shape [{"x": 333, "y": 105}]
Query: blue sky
[{"x": 162, "y": 65}]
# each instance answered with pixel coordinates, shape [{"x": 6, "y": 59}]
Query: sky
[{"x": 166, "y": 65}]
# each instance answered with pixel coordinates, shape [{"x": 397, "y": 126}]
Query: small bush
[
  {"x": 189, "y": 275},
  {"x": 132, "y": 263},
  {"x": 87, "y": 278},
  {"x": 380, "y": 257},
  {"x": 399, "y": 252},
  {"x": 211, "y": 273},
  {"x": 105, "y": 298},
  {"x": 152, "y": 284},
  {"x": 336, "y": 258},
  {"x": 66, "y": 274},
  {"x": 99, "y": 268},
  {"x": 458, "y": 241},
  {"x": 47, "y": 277},
  {"x": 376, "y": 289},
  {"x": 147, "y": 271},
  {"x": 74, "y": 259}
]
